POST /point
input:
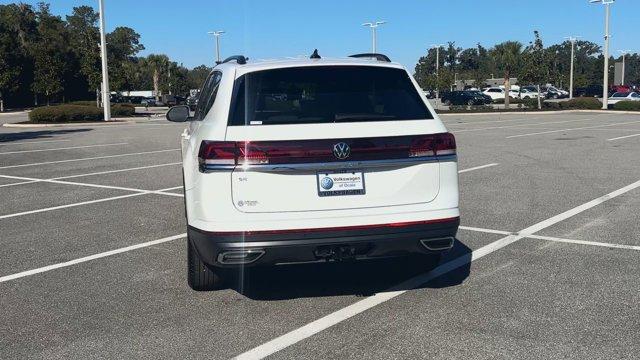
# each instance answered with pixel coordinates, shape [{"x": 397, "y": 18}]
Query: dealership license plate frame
[{"x": 359, "y": 190}]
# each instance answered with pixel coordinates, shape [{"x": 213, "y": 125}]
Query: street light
[
  {"x": 573, "y": 43},
  {"x": 605, "y": 87},
  {"x": 374, "y": 25},
  {"x": 437, "y": 47},
  {"x": 624, "y": 54},
  {"x": 217, "y": 34},
  {"x": 106, "y": 101}
]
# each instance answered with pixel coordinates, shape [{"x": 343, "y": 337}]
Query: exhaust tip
[
  {"x": 240, "y": 257},
  {"x": 438, "y": 244}
]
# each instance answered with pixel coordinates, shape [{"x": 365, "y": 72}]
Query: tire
[
  {"x": 199, "y": 276},
  {"x": 447, "y": 102}
]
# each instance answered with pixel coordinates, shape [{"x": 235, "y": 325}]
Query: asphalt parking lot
[{"x": 546, "y": 264}]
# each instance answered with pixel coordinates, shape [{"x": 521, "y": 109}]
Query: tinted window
[
  {"x": 619, "y": 94},
  {"x": 326, "y": 94},
  {"x": 208, "y": 95}
]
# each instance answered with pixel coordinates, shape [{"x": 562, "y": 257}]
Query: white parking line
[
  {"x": 90, "y": 174},
  {"x": 477, "y": 168},
  {"x": 29, "y": 142},
  {"x": 341, "y": 315},
  {"x": 487, "y": 122},
  {"x": 562, "y": 130},
  {"x": 62, "y": 148},
  {"x": 551, "y": 238},
  {"x": 160, "y": 192},
  {"x": 522, "y": 125},
  {"x": 89, "y": 258},
  {"x": 583, "y": 242},
  {"x": 87, "y": 158},
  {"x": 623, "y": 137},
  {"x": 83, "y": 184}
]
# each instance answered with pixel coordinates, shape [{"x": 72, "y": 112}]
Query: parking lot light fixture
[
  {"x": 437, "y": 47},
  {"x": 217, "y": 35},
  {"x": 106, "y": 101},
  {"x": 374, "y": 25},
  {"x": 605, "y": 87},
  {"x": 624, "y": 54},
  {"x": 572, "y": 39}
]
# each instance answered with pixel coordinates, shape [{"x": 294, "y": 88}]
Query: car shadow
[
  {"x": 362, "y": 278},
  {"x": 31, "y": 135}
]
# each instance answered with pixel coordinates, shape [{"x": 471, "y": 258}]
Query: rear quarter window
[{"x": 325, "y": 94}]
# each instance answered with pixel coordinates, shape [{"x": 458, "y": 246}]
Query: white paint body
[{"x": 286, "y": 201}]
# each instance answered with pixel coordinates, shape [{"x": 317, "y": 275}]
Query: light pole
[
  {"x": 106, "y": 101},
  {"x": 573, "y": 43},
  {"x": 437, "y": 47},
  {"x": 605, "y": 87},
  {"x": 217, "y": 34},
  {"x": 374, "y": 25},
  {"x": 624, "y": 54}
]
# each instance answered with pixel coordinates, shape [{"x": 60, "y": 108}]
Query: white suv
[{"x": 314, "y": 160}]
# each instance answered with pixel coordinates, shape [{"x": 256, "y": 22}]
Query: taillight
[
  {"x": 433, "y": 145},
  {"x": 445, "y": 144},
  {"x": 225, "y": 155},
  {"x": 217, "y": 153}
]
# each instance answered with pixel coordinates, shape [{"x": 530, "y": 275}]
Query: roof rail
[
  {"x": 240, "y": 59},
  {"x": 379, "y": 57}
]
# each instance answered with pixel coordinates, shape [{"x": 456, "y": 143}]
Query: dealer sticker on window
[{"x": 341, "y": 183}]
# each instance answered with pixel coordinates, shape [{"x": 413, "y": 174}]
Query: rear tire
[{"x": 199, "y": 276}]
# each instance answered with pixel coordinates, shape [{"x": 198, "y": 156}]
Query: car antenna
[{"x": 315, "y": 55}]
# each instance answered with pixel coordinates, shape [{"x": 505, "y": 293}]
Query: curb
[
  {"x": 109, "y": 123},
  {"x": 534, "y": 113}
]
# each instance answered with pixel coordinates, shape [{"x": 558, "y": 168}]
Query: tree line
[
  {"x": 46, "y": 58},
  {"x": 531, "y": 64}
]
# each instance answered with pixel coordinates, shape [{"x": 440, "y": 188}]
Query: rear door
[{"x": 321, "y": 138}]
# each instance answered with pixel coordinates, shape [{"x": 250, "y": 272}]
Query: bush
[
  {"x": 65, "y": 113},
  {"x": 84, "y": 103},
  {"x": 581, "y": 103},
  {"x": 77, "y": 113},
  {"x": 123, "y": 110},
  {"x": 627, "y": 105},
  {"x": 511, "y": 101}
]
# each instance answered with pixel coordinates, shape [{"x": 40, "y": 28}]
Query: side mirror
[{"x": 178, "y": 114}]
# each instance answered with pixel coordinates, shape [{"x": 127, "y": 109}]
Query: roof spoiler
[{"x": 379, "y": 57}]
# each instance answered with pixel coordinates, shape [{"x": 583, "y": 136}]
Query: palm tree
[
  {"x": 157, "y": 64},
  {"x": 507, "y": 56}
]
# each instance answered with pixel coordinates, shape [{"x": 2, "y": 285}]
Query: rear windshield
[{"x": 325, "y": 94}]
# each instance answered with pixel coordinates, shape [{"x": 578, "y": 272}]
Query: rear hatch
[{"x": 331, "y": 138}]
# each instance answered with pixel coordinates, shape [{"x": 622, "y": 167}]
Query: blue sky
[{"x": 278, "y": 28}]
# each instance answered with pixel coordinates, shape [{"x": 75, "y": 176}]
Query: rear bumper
[{"x": 315, "y": 245}]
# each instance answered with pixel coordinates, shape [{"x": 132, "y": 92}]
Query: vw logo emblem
[
  {"x": 341, "y": 151},
  {"x": 326, "y": 183}
]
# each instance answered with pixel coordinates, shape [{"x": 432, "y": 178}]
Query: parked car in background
[
  {"x": 552, "y": 92},
  {"x": 173, "y": 100},
  {"x": 588, "y": 91},
  {"x": 151, "y": 101},
  {"x": 465, "y": 98},
  {"x": 624, "y": 96},
  {"x": 494, "y": 93},
  {"x": 430, "y": 94},
  {"x": 192, "y": 101},
  {"x": 529, "y": 92}
]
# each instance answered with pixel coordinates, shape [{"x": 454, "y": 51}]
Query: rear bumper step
[{"x": 314, "y": 245}]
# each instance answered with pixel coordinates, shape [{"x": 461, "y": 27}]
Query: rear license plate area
[{"x": 340, "y": 183}]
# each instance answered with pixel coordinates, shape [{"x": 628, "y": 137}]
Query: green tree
[
  {"x": 507, "y": 57},
  {"x": 50, "y": 53},
  {"x": 197, "y": 76},
  {"x": 123, "y": 44},
  {"x": 159, "y": 65},
  {"x": 534, "y": 64},
  {"x": 84, "y": 38}
]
